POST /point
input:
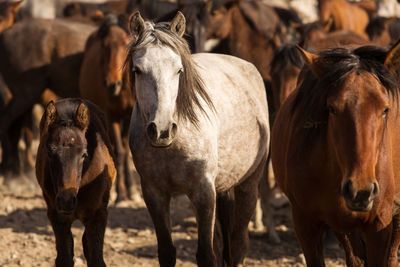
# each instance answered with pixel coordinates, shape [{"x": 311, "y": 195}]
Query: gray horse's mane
[{"x": 191, "y": 86}]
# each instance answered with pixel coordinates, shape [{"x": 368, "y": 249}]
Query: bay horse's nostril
[
  {"x": 375, "y": 190},
  {"x": 152, "y": 131},
  {"x": 348, "y": 190}
]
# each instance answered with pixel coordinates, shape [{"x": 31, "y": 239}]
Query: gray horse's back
[{"x": 238, "y": 94}]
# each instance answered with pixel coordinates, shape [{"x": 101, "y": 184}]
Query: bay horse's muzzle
[
  {"x": 360, "y": 199},
  {"x": 66, "y": 201}
]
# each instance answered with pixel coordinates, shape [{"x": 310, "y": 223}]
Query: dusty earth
[{"x": 26, "y": 238}]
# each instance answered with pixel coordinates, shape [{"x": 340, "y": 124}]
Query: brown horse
[
  {"x": 248, "y": 30},
  {"x": 75, "y": 170},
  {"x": 384, "y": 31},
  {"x": 345, "y": 15},
  {"x": 107, "y": 85},
  {"x": 8, "y": 11},
  {"x": 335, "y": 154}
]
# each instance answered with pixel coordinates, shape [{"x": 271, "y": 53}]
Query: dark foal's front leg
[
  {"x": 64, "y": 239},
  {"x": 204, "y": 201},
  {"x": 158, "y": 205},
  {"x": 93, "y": 238}
]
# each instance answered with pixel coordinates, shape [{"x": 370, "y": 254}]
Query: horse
[
  {"x": 108, "y": 86},
  {"x": 8, "y": 11},
  {"x": 51, "y": 60},
  {"x": 285, "y": 68},
  {"x": 192, "y": 115},
  {"x": 383, "y": 31},
  {"x": 345, "y": 16},
  {"x": 247, "y": 29},
  {"x": 197, "y": 14},
  {"x": 335, "y": 154},
  {"x": 75, "y": 170}
]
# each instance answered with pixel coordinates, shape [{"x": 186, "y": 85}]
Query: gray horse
[{"x": 200, "y": 128}]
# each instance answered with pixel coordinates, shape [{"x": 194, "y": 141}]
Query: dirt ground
[{"x": 26, "y": 238}]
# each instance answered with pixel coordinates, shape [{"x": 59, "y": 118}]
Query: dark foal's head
[
  {"x": 114, "y": 37},
  {"x": 354, "y": 90},
  {"x": 8, "y": 10},
  {"x": 66, "y": 148}
]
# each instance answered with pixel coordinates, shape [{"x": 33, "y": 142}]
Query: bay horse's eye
[
  {"x": 386, "y": 111},
  {"x": 331, "y": 110}
]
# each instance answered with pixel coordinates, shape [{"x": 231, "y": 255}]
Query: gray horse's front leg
[
  {"x": 158, "y": 203},
  {"x": 204, "y": 199}
]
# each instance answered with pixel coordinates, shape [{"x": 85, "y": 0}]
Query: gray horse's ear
[
  {"x": 82, "y": 116},
  {"x": 310, "y": 60},
  {"x": 178, "y": 24},
  {"x": 392, "y": 60},
  {"x": 136, "y": 25},
  {"x": 49, "y": 117}
]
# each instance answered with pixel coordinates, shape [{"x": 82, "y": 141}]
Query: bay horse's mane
[
  {"x": 336, "y": 64},
  {"x": 284, "y": 55},
  {"x": 191, "y": 85}
]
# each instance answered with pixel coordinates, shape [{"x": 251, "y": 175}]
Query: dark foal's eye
[
  {"x": 386, "y": 111},
  {"x": 51, "y": 151},
  {"x": 331, "y": 110},
  {"x": 84, "y": 155}
]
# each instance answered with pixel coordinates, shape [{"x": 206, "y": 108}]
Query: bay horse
[
  {"x": 335, "y": 153},
  {"x": 192, "y": 115},
  {"x": 75, "y": 170},
  {"x": 345, "y": 16},
  {"x": 107, "y": 85}
]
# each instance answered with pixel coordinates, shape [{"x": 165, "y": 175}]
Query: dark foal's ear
[
  {"x": 392, "y": 60},
  {"x": 310, "y": 60},
  {"x": 136, "y": 25},
  {"x": 49, "y": 117},
  {"x": 82, "y": 116},
  {"x": 178, "y": 24}
]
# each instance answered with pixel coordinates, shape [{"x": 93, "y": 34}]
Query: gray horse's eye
[
  {"x": 180, "y": 71},
  {"x": 136, "y": 70}
]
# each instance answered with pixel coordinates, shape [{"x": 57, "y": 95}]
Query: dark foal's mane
[
  {"x": 191, "y": 86},
  {"x": 336, "y": 64}
]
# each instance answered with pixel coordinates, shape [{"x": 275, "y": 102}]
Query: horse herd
[{"x": 199, "y": 124}]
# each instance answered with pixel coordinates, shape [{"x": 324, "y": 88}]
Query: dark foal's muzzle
[{"x": 66, "y": 201}]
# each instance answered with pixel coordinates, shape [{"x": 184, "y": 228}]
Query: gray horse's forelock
[{"x": 191, "y": 86}]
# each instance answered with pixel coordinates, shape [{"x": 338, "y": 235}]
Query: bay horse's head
[
  {"x": 356, "y": 91},
  {"x": 64, "y": 126},
  {"x": 114, "y": 38},
  {"x": 8, "y": 11},
  {"x": 167, "y": 86}
]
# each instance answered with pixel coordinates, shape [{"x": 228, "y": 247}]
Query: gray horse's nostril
[
  {"x": 152, "y": 131},
  {"x": 174, "y": 129}
]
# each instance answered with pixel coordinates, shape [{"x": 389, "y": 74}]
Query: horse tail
[{"x": 224, "y": 221}]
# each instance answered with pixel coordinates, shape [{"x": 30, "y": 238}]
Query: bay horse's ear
[
  {"x": 309, "y": 60},
  {"x": 327, "y": 25},
  {"x": 49, "y": 117},
  {"x": 136, "y": 25},
  {"x": 82, "y": 116},
  {"x": 392, "y": 60},
  {"x": 178, "y": 24}
]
